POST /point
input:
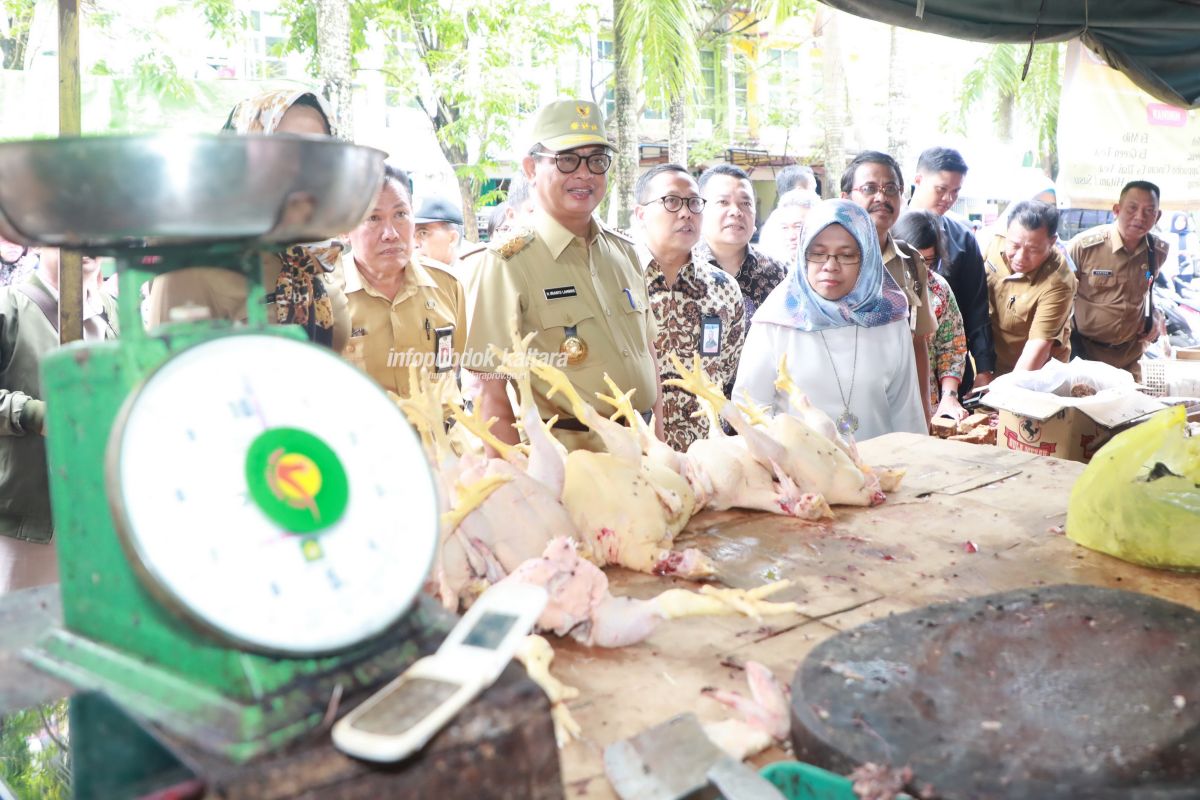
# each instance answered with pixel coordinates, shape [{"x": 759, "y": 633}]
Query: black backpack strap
[{"x": 42, "y": 299}]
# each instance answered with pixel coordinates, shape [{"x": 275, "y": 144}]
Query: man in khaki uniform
[
  {"x": 874, "y": 182},
  {"x": 570, "y": 281},
  {"x": 1116, "y": 264},
  {"x": 403, "y": 311},
  {"x": 1030, "y": 290}
]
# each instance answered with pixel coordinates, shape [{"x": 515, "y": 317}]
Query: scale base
[{"x": 201, "y": 716}]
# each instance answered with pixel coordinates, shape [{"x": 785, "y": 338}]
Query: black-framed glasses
[
  {"x": 844, "y": 259},
  {"x": 673, "y": 202},
  {"x": 872, "y": 189},
  {"x": 597, "y": 163}
]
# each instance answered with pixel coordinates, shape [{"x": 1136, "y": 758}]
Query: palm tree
[
  {"x": 1036, "y": 95},
  {"x": 659, "y": 36},
  {"x": 333, "y": 62},
  {"x": 835, "y": 102}
]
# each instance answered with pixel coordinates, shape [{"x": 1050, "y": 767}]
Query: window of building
[
  {"x": 708, "y": 84},
  {"x": 605, "y": 72}
]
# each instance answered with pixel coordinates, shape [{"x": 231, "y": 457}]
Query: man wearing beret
[{"x": 569, "y": 280}]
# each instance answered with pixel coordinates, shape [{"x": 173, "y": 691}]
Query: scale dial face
[{"x": 270, "y": 493}]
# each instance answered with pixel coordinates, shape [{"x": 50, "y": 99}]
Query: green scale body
[{"x": 117, "y": 634}]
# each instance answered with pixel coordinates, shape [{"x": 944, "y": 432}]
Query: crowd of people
[{"x": 883, "y": 307}]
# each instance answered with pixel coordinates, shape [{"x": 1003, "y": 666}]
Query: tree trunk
[
  {"x": 677, "y": 146},
  {"x": 835, "y": 105},
  {"x": 625, "y": 129},
  {"x": 466, "y": 189},
  {"x": 333, "y": 63},
  {"x": 898, "y": 107},
  {"x": 730, "y": 93},
  {"x": 15, "y": 40},
  {"x": 1005, "y": 110}
]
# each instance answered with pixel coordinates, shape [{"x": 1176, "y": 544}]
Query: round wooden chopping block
[{"x": 1056, "y": 692}]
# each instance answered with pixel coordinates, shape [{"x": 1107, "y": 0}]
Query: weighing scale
[{"x": 243, "y": 520}]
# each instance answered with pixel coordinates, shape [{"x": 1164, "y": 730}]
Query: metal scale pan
[{"x": 108, "y": 193}]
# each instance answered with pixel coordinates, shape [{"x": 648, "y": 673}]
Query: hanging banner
[{"x": 1110, "y": 133}]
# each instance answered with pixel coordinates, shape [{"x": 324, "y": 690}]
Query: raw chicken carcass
[
  {"x": 814, "y": 462},
  {"x": 581, "y": 606},
  {"x": 765, "y": 715},
  {"x": 479, "y": 545},
  {"x": 626, "y": 509},
  {"x": 720, "y": 470}
]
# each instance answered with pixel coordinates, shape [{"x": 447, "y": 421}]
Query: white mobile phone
[{"x": 403, "y": 716}]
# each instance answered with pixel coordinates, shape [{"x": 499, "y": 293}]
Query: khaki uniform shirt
[
  {"x": 908, "y": 269},
  {"x": 424, "y": 325},
  {"x": 1110, "y": 300},
  {"x": 223, "y": 293},
  {"x": 548, "y": 281},
  {"x": 1034, "y": 305},
  {"x": 700, "y": 313}
]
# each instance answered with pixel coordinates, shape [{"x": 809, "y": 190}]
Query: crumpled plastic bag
[
  {"x": 1061, "y": 379},
  {"x": 1139, "y": 498}
]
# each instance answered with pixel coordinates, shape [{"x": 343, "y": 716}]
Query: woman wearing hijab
[
  {"x": 300, "y": 283},
  {"x": 842, "y": 322},
  {"x": 948, "y": 347}
]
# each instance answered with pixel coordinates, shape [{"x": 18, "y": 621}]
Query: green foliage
[
  {"x": 665, "y": 33},
  {"x": 223, "y": 17},
  {"x": 14, "y": 33},
  {"x": 998, "y": 74},
  {"x": 44, "y": 773},
  {"x": 470, "y": 64}
]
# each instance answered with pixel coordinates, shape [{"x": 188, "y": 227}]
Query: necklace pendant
[{"x": 847, "y": 423}]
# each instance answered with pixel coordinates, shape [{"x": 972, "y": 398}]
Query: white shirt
[{"x": 885, "y": 396}]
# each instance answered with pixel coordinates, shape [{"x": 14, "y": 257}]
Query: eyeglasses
[
  {"x": 872, "y": 189},
  {"x": 673, "y": 202},
  {"x": 843, "y": 259},
  {"x": 597, "y": 163}
]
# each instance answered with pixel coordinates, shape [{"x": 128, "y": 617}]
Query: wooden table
[{"x": 867, "y": 563}]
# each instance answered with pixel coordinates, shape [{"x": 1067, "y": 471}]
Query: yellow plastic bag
[{"x": 1139, "y": 498}]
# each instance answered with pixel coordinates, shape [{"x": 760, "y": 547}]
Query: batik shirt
[
  {"x": 703, "y": 313},
  {"x": 758, "y": 275},
  {"x": 948, "y": 348}
]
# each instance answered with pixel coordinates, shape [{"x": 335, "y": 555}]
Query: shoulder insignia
[
  {"x": 1161, "y": 245},
  {"x": 620, "y": 234},
  {"x": 1092, "y": 238},
  {"x": 512, "y": 244}
]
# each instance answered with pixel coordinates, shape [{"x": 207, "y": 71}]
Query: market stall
[{"x": 969, "y": 520}]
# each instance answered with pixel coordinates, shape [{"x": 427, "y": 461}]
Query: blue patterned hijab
[{"x": 875, "y": 299}]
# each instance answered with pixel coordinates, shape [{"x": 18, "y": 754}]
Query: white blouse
[{"x": 885, "y": 396}]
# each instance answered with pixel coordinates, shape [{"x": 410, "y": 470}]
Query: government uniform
[
  {"x": 909, "y": 271},
  {"x": 425, "y": 324},
  {"x": 1110, "y": 302},
  {"x": 585, "y": 302},
  {"x": 1024, "y": 306},
  {"x": 223, "y": 292}
]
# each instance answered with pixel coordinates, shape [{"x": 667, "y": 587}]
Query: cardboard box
[{"x": 1073, "y": 428}]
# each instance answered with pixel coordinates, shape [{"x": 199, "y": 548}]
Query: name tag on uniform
[
  {"x": 710, "y": 336},
  {"x": 1102, "y": 273},
  {"x": 559, "y": 292},
  {"x": 443, "y": 360}
]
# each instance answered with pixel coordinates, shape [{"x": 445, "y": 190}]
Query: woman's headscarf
[
  {"x": 299, "y": 295},
  {"x": 875, "y": 299}
]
